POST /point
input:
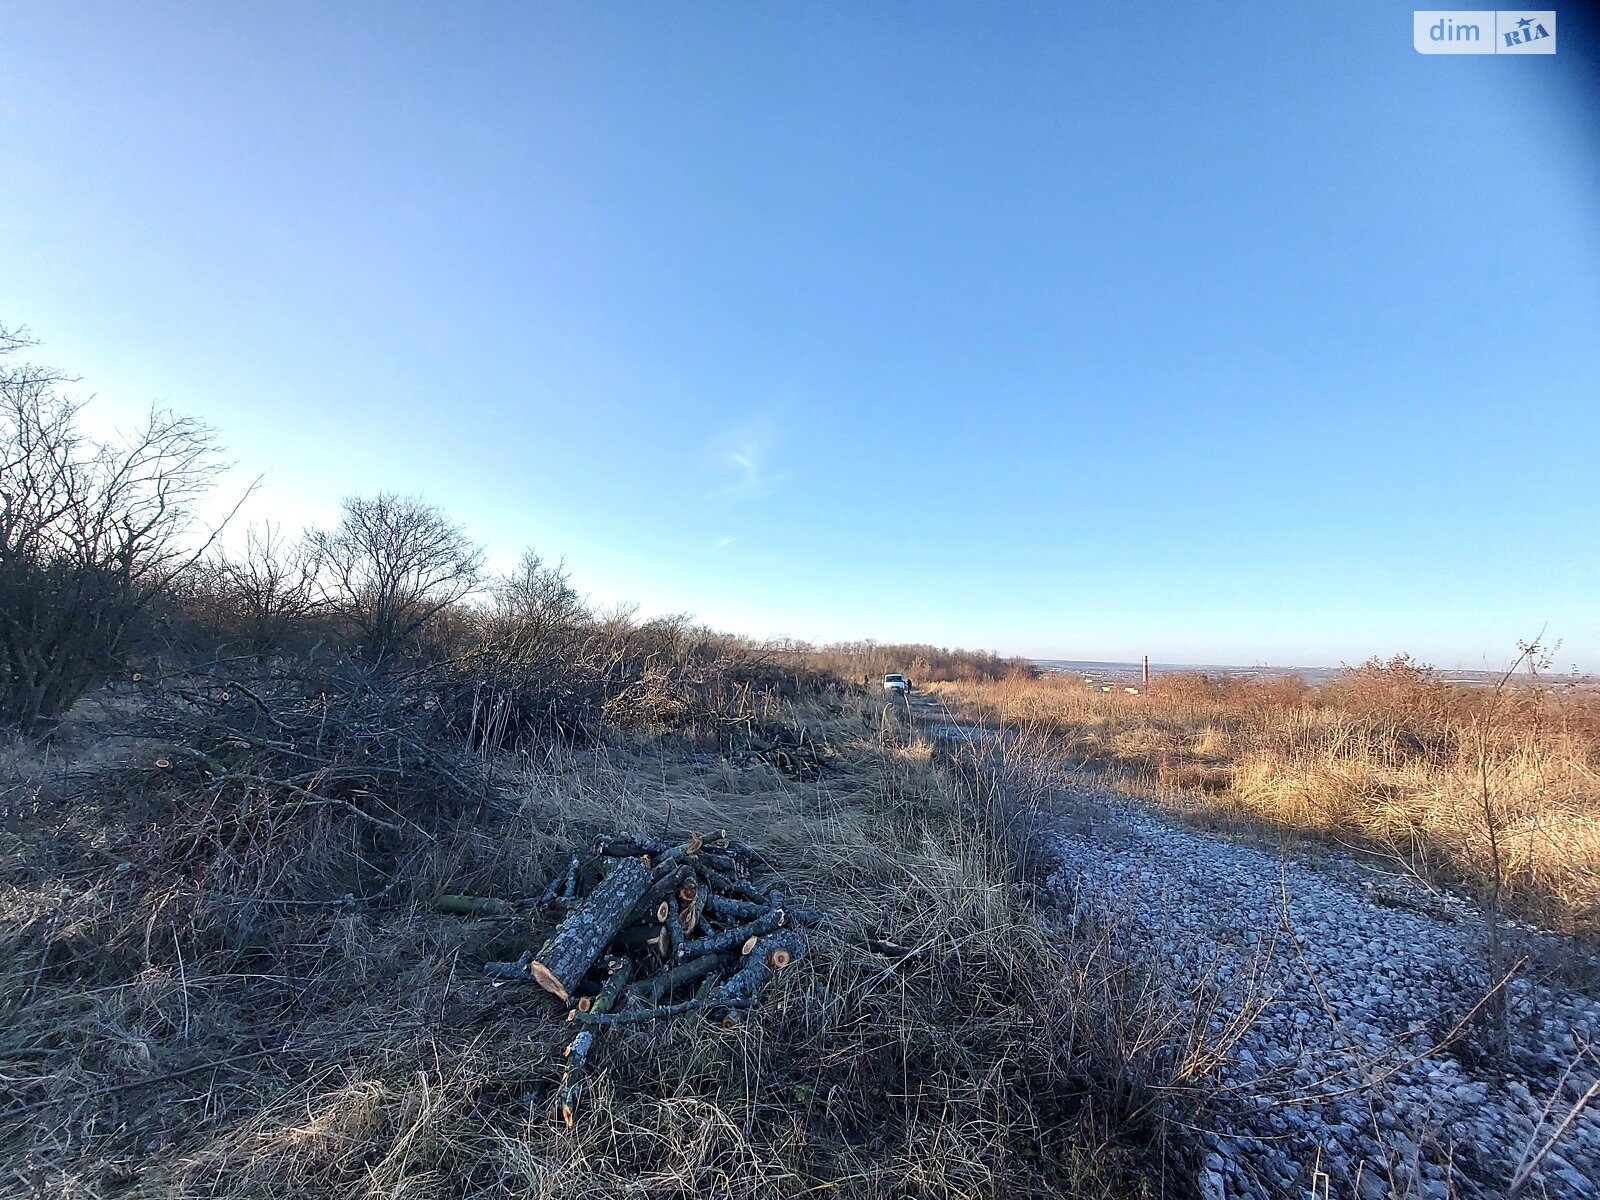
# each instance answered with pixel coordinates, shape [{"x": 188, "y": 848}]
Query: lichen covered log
[{"x": 584, "y": 933}]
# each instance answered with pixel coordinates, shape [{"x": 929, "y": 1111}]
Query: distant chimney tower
[{"x": 1147, "y": 670}]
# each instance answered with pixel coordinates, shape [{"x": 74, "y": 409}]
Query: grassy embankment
[{"x": 1473, "y": 787}]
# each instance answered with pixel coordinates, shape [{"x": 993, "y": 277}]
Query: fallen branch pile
[
  {"x": 354, "y": 739},
  {"x": 652, "y": 929}
]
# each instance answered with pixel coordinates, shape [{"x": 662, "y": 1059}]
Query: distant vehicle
[{"x": 896, "y": 683}]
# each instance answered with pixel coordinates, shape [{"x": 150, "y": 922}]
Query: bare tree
[
  {"x": 392, "y": 565},
  {"x": 90, "y": 533},
  {"x": 536, "y": 603},
  {"x": 271, "y": 585}
]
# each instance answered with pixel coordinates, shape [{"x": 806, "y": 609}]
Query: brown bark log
[{"x": 585, "y": 932}]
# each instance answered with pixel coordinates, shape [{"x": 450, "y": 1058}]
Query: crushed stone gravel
[{"x": 1362, "y": 973}]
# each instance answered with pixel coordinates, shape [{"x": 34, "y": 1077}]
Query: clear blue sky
[{"x": 1219, "y": 334}]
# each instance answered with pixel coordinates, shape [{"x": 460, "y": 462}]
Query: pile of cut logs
[{"x": 653, "y": 929}]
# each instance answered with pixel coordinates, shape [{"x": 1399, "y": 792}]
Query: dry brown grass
[
  {"x": 189, "y": 1014},
  {"x": 1387, "y": 759}
]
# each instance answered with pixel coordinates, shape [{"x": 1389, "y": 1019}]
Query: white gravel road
[
  {"x": 1361, "y": 972},
  {"x": 1340, "y": 1087}
]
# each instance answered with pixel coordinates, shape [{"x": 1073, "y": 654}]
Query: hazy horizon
[{"x": 1221, "y": 339}]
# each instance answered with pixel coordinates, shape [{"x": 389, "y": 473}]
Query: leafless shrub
[
  {"x": 391, "y": 566},
  {"x": 372, "y": 744},
  {"x": 865, "y": 660},
  {"x": 90, "y": 534},
  {"x": 535, "y": 606},
  {"x": 547, "y": 670},
  {"x": 268, "y": 589}
]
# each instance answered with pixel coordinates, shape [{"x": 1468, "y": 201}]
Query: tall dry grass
[
  {"x": 194, "y": 1001},
  {"x": 1483, "y": 787}
]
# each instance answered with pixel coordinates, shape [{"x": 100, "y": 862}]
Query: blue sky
[{"x": 1220, "y": 334}]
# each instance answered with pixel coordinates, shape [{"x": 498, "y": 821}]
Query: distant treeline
[
  {"x": 921, "y": 663},
  {"x": 107, "y": 573}
]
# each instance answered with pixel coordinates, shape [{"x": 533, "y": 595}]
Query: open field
[
  {"x": 199, "y": 1002},
  {"x": 1495, "y": 789},
  {"x": 246, "y": 792}
]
